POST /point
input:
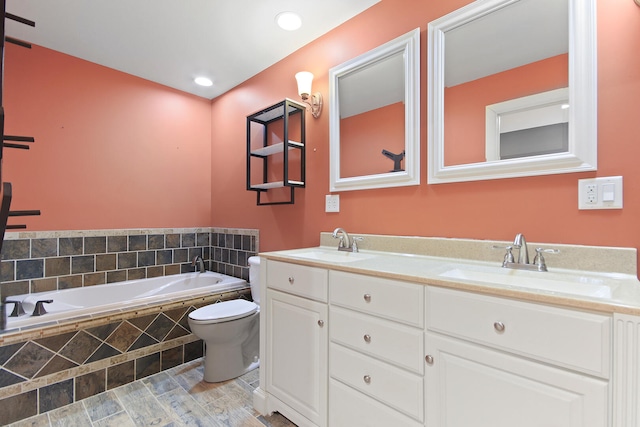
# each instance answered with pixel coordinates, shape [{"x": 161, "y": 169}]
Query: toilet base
[
  {"x": 226, "y": 359},
  {"x": 232, "y": 348},
  {"x": 217, "y": 372}
]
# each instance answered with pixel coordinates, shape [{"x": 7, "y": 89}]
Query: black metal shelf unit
[
  {"x": 280, "y": 134},
  {"x": 6, "y": 188}
]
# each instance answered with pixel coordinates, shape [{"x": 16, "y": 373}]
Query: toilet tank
[{"x": 254, "y": 278}]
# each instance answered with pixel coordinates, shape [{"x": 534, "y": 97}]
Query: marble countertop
[{"x": 610, "y": 292}]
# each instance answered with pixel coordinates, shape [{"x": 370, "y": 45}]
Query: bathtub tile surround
[
  {"x": 57, "y": 366},
  {"x": 44, "y": 369},
  {"x": 45, "y": 261}
]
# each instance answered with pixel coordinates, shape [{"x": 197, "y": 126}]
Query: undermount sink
[
  {"x": 330, "y": 256},
  {"x": 544, "y": 281}
]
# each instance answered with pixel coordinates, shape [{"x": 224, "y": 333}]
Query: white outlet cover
[
  {"x": 332, "y": 203},
  {"x": 587, "y": 200}
]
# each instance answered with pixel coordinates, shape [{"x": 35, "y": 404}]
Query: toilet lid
[{"x": 224, "y": 311}]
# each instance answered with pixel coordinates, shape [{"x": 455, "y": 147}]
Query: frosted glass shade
[{"x": 304, "y": 79}]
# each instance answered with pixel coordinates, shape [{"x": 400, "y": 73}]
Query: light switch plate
[
  {"x": 332, "y": 203},
  {"x": 600, "y": 193}
]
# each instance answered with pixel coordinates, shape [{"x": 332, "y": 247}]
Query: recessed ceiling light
[
  {"x": 289, "y": 21},
  {"x": 203, "y": 81}
]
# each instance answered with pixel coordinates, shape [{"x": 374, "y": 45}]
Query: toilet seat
[{"x": 223, "y": 311}]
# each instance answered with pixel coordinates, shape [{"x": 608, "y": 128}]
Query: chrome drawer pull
[
  {"x": 367, "y": 297},
  {"x": 367, "y": 379},
  {"x": 498, "y": 326},
  {"x": 321, "y": 323},
  {"x": 367, "y": 338},
  {"x": 429, "y": 359},
  {"x": 291, "y": 280}
]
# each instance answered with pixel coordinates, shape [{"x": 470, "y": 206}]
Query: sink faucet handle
[
  {"x": 508, "y": 256},
  {"x": 354, "y": 245},
  {"x": 547, "y": 250},
  {"x": 539, "y": 260},
  {"x": 501, "y": 247}
]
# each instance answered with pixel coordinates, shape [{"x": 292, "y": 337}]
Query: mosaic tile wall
[{"x": 45, "y": 261}]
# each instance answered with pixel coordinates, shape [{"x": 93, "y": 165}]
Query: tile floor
[{"x": 172, "y": 398}]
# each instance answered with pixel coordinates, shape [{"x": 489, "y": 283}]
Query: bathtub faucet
[
  {"x": 197, "y": 260},
  {"x": 39, "y": 308},
  {"x": 17, "y": 308}
]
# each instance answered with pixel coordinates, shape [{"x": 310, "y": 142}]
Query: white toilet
[{"x": 230, "y": 330}]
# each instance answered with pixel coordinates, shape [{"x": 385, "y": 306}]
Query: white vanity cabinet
[
  {"x": 347, "y": 349},
  {"x": 376, "y": 344},
  {"x": 497, "y": 362},
  {"x": 296, "y": 337}
]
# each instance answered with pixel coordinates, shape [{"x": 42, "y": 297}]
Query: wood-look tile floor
[{"x": 172, "y": 398}]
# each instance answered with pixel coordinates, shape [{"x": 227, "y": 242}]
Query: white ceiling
[{"x": 173, "y": 41}]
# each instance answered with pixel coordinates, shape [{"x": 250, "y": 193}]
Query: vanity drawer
[
  {"x": 348, "y": 408},
  {"x": 390, "y": 299},
  {"x": 570, "y": 338},
  {"x": 390, "y": 341},
  {"x": 309, "y": 282},
  {"x": 392, "y": 386}
]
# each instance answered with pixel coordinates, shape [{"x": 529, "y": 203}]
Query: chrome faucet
[
  {"x": 520, "y": 243},
  {"x": 347, "y": 243},
  {"x": 345, "y": 240},
  {"x": 522, "y": 263},
  {"x": 198, "y": 260}
]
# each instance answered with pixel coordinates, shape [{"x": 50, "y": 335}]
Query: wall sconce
[{"x": 304, "y": 79}]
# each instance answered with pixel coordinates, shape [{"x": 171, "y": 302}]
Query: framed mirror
[
  {"x": 374, "y": 117},
  {"x": 512, "y": 90}
]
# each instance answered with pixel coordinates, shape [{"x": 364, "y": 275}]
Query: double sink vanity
[
  {"x": 435, "y": 332},
  {"x": 413, "y": 331}
]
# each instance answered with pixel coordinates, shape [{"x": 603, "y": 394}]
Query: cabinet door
[
  {"x": 468, "y": 385},
  {"x": 297, "y": 354}
]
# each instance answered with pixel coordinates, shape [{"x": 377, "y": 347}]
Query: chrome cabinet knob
[
  {"x": 291, "y": 280},
  {"x": 321, "y": 323},
  {"x": 498, "y": 326},
  {"x": 367, "y": 297},
  {"x": 429, "y": 359},
  {"x": 367, "y": 379},
  {"x": 367, "y": 338}
]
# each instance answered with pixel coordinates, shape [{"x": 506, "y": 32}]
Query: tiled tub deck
[{"x": 44, "y": 369}]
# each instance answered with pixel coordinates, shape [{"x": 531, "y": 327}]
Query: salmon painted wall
[
  {"x": 149, "y": 156},
  {"x": 543, "y": 208},
  {"x": 112, "y": 150}
]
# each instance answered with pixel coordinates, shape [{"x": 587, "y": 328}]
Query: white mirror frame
[
  {"x": 583, "y": 135},
  {"x": 409, "y": 44}
]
